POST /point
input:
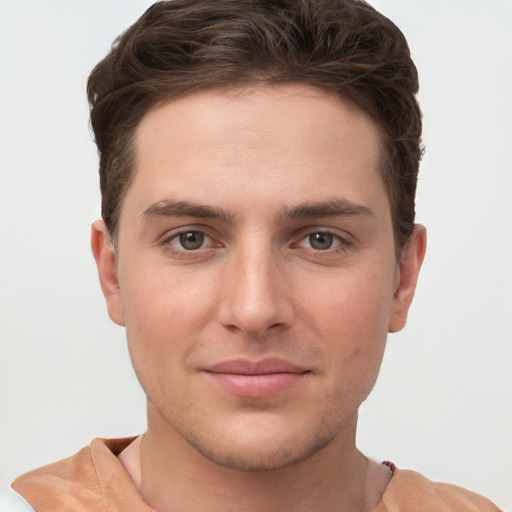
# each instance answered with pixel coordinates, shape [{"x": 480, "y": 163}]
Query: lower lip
[{"x": 256, "y": 386}]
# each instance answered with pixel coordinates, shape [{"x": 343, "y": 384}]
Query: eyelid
[
  {"x": 177, "y": 237},
  {"x": 335, "y": 238},
  {"x": 180, "y": 230},
  {"x": 344, "y": 242},
  {"x": 172, "y": 234},
  {"x": 340, "y": 234}
]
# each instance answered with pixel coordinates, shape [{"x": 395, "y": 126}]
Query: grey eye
[
  {"x": 321, "y": 241},
  {"x": 191, "y": 240}
]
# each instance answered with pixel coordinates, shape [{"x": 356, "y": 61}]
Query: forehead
[
  {"x": 250, "y": 143},
  {"x": 277, "y": 116}
]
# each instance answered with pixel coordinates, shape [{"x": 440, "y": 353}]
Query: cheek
[
  {"x": 161, "y": 298},
  {"x": 353, "y": 307},
  {"x": 164, "y": 318},
  {"x": 350, "y": 319}
]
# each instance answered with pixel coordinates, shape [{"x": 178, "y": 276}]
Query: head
[
  {"x": 178, "y": 47},
  {"x": 258, "y": 169}
]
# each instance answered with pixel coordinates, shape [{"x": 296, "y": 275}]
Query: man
[{"x": 258, "y": 165}]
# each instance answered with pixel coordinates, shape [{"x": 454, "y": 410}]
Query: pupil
[
  {"x": 321, "y": 241},
  {"x": 192, "y": 240}
]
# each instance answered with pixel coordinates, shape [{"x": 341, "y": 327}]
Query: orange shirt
[{"x": 94, "y": 480}]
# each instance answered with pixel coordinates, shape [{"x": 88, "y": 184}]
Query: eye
[
  {"x": 320, "y": 241},
  {"x": 189, "y": 240}
]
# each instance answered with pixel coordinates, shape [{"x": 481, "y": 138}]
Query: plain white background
[{"x": 443, "y": 403}]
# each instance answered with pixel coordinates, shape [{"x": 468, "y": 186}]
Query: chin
[
  {"x": 260, "y": 449},
  {"x": 258, "y": 458}
]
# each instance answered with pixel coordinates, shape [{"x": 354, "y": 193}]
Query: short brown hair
[{"x": 177, "y": 47}]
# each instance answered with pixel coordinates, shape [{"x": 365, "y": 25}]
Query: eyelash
[
  {"x": 184, "y": 253},
  {"x": 341, "y": 245}
]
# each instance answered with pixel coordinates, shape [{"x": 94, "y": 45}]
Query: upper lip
[{"x": 262, "y": 367}]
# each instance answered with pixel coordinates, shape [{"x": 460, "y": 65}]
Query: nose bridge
[{"x": 254, "y": 296}]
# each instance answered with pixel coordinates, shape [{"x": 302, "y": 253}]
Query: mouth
[{"x": 256, "y": 379}]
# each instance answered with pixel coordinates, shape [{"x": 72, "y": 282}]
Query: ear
[
  {"x": 107, "y": 270},
  {"x": 407, "y": 277}
]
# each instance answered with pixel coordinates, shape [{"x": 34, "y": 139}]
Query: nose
[{"x": 255, "y": 295}]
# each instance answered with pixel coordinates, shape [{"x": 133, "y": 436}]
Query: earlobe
[
  {"x": 409, "y": 268},
  {"x": 107, "y": 270}
]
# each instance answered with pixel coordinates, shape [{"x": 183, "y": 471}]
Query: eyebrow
[
  {"x": 170, "y": 208},
  {"x": 329, "y": 208}
]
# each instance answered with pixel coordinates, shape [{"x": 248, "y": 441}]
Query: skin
[{"x": 297, "y": 263}]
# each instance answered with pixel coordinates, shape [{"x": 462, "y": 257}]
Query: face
[{"x": 255, "y": 272}]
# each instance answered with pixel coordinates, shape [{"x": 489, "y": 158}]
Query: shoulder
[
  {"x": 409, "y": 490},
  {"x": 11, "y": 501},
  {"x": 72, "y": 484}
]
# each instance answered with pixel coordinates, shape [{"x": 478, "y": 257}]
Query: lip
[{"x": 256, "y": 379}]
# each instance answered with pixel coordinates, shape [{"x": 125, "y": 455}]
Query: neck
[{"x": 171, "y": 475}]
